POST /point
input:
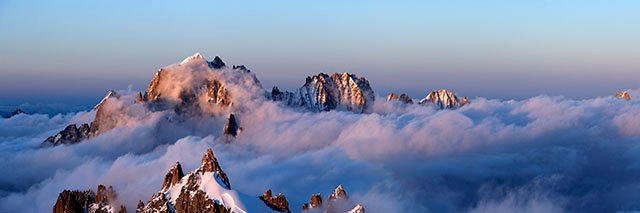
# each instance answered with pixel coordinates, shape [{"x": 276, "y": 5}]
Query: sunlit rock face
[
  {"x": 443, "y": 99},
  {"x": 205, "y": 189},
  {"x": 101, "y": 201},
  {"x": 73, "y": 133},
  {"x": 624, "y": 95},
  {"x": 277, "y": 203},
  {"x": 194, "y": 87},
  {"x": 338, "y": 201},
  {"x": 324, "y": 92},
  {"x": 403, "y": 98}
]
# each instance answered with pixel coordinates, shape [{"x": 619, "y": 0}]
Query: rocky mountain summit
[
  {"x": 624, "y": 95},
  {"x": 338, "y": 201},
  {"x": 324, "y": 92},
  {"x": 194, "y": 87},
  {"x": 231, "y": 128},
  {"x": 206, "y": 189},
  {"x": 443, "y": 99},
  {"x": 440, "y": 99},
  {"x": 100, "y": 201},
  {"x": 403, "y": 98}
]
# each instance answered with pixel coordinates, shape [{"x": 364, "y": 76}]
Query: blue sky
[{"x": 74, "y": 51}]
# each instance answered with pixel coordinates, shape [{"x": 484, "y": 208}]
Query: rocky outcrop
[
  {"x": 403, "y": 98},
  {"x": 357, "y": 209},
  {"x": 87, "y": 201},
  {"x": 210, "y": 164},
  {"x": 443, "y": 99},
  {"x": 338, "y": 201},
  {"x": 277, "y": 203},
  {"x": 195, "y": 191},
  {"x": 624, "y": 95},
  {"x": 314, "y": 202},
  {"x": 173, "y": 176},
  {"x": 231, "y": 128},
  {"x": 71, "y": 134},
  {"x": 324, "y": 92},
  {"x": 338, "y": 194}
]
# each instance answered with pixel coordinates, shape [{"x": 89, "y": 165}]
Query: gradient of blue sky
[{"x": 73, "y": 51}]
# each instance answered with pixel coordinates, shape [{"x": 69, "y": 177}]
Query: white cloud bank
[{"x": 543, "y": 154}]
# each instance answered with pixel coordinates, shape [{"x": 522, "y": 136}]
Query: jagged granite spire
[
  {"x": 173, "y": 176},
  {"x": 231, "y": 128},
  {"x": 210, "y": 164},
  {"x": 277, "y": 203}
]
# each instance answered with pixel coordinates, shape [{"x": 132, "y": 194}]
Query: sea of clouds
[{"x": 542, "y": 154}]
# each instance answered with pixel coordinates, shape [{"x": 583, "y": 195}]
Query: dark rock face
[
  {"x": 173, "y": 176},
  {"x": 231, "y": 128},
  {"x": 73, "y": 201},
  {"x": 210, "y": 164},
  {"x": 403, "y": 98},
  {"x": 324, "y": 92},
  {"x": 87, "y": 201},
  {"x": 69, "y": 135},
  {"x": 277, "y": 203},
  {"x": 14, "y": 113},
  {"x": 217, "y": 63}
]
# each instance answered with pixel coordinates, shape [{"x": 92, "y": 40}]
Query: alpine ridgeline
[
  {"x": 206, "y": 189},
  {"x": 440, "y": 99},
  {"x": 324, "y": 92},
  {"x": 103, "y": 200}
]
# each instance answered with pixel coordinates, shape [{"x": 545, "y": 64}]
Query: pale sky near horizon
[{"x": 74, "y": 51}]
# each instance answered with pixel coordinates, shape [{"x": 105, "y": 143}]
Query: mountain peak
[
  {"x": 195, "y": 57},
  {"x": 210, "y": 164},
  {"x": 338, "y": 193},
  {"x": 444, "y": 99},
  {"x": 217, "y": 63},
  {"x": 324, "y": 92},
  {"x": 624, "y": 95},
  {"x": 173, "y": 176}
]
